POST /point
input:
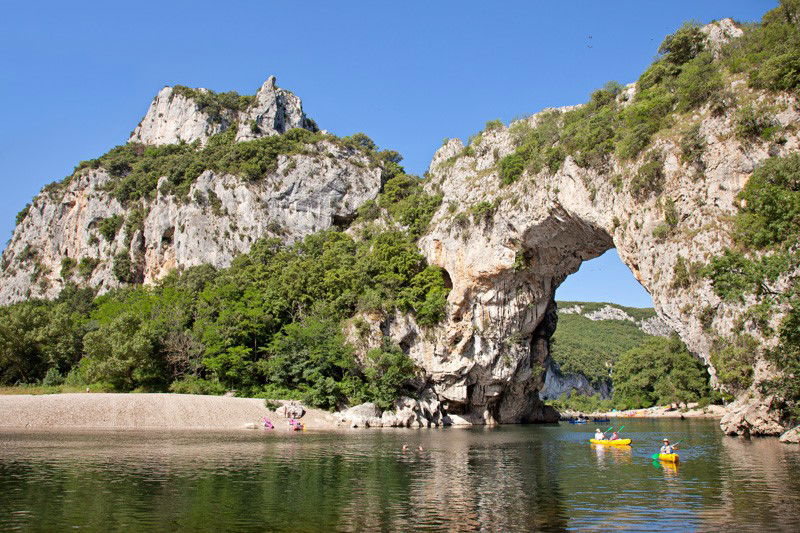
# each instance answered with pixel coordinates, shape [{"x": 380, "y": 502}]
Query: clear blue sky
[{"x": 76, "y": 77}]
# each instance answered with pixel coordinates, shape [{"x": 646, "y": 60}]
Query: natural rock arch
[{"x": 507, "y": 248}]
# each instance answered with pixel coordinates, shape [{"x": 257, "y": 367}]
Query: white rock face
[
  {"x": 754, "y": 417},
  {"x": 174, "y": 118},
  {"x": 274, "y": 111},
  {"x": 221, "y": 218},
  {"x": 656, "y": 327},
  {"x": 555, "y": 384}
]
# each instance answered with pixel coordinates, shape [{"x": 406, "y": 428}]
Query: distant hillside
[{"x": 589, "y": 339}]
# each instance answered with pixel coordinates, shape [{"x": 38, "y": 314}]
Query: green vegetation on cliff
[
  {"x": 762, "y": 268},
  {"x": 214, "y": 103},
  {"x": 269, "y": 325},
  {"x": 686, "y": 76},
  {"x": 592, "y": 347}
]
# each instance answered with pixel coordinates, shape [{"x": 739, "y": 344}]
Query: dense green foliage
[
  {"x": 764, "y": 265},
  {"x": 770, "y": 53},
  {"x": 67, "y": 267},
  {"x": 658, "y": 372},
  {"x": 268, "y": 325},
  {"x": 86, "y": 266},
  {"x": 108, "y": 227},
  {"x": 36, "y": 336},
  {"x": 405, "y": 200}
]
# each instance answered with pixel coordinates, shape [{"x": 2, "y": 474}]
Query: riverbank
[
  {"x": 145, "y": 411},
  {"x": 81, "y": 410},
  {"x": 663, "y": 411}
]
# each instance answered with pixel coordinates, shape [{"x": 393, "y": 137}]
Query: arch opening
[{"x": 606, "y": 321}]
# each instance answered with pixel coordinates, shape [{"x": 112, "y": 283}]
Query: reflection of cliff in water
[
  {"x": 463, "y": 480},
  {"x": 466, "y": 480},
  {"x": 761, "y": 476}
]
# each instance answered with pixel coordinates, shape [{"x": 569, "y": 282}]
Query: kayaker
[
  {"x": 599, "y": 435},
  {"x": 614, "y": 436},
  {"x": 666, "y": 448}
]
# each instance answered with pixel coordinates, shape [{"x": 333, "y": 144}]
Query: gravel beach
[{"x": 144, "y": 411}]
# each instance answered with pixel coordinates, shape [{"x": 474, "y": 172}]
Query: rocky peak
[
  {"x": 180, "y": 114},
  {"x": 720, "y": 32},
  {"x": 274, "y": 111}
]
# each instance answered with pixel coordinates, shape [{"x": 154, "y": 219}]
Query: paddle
[
  {"x": 655, "y": 455},
  {"x": 610, "y": 428}
]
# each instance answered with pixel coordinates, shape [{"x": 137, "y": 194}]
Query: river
[{"x": 512, "y": 478}]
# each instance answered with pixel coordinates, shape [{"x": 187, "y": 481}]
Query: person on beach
[
  {"x": 599, "y": 435},
  {"x": 666, "y": 448}
]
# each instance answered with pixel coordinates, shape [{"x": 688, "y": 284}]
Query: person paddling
[
  {"x": 666, "y": 448},
  {"x": 614, "y": 436},
  {"x": 599, "y": 435}
]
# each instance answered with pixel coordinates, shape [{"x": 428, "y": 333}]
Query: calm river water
[{"x": 516, "y": 478}]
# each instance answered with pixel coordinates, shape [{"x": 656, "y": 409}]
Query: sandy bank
[
  {"x": 711, "y": 411},
  {"x": 143, "y": 411}
]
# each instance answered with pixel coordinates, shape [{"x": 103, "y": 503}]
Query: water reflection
[
  {"x": 612, "y": 455},
  {"x": 509, "y": 479}
]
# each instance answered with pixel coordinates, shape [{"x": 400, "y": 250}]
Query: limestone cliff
[{"x": 78, "y": 230}]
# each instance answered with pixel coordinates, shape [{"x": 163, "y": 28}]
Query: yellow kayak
[
  {"x": 617, "y": 442},
  {"x": 668, "y": 457}
]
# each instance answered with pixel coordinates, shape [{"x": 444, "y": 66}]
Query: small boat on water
[
  {"x": 601, "y": 420},
  {"x": 668, "y": 457},
  {"x": 615, "y": 442},
  {"x": 578, "y": 421}
]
